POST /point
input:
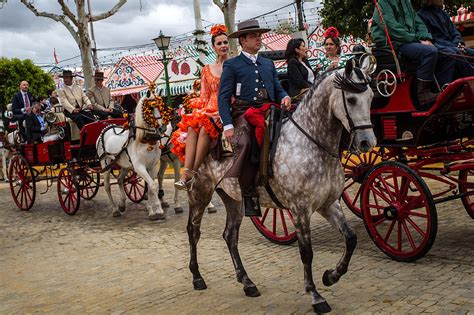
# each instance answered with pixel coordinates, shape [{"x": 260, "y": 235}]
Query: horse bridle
[{"x": 344, "y": 84}]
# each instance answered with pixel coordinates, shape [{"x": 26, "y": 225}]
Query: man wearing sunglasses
[{"x": 252, "y": 81}]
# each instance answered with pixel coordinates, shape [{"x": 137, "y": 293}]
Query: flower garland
[
  {"x": 187, "y": 99},
  {"x": 149, "y": 104}
]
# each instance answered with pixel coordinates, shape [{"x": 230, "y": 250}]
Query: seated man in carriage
[
  {"x": 445, "y": 35},
  {"x": 412, "y": 40},
  {"x": 36, "y": 126},
  {"x": 76, "y": 104},
  {"x": 100, "y": 97}
]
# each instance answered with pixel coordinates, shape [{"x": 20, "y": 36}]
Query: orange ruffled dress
[{"x": 205, "y": 107}]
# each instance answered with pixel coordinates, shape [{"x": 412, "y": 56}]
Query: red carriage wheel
[
  {"x": 68, "y": 191},
  {"x": 135, "y": 187},
  {"x": 22, "y": 183},
  {"x": 356, "y": 166},
  {"x": 399, "y": 212},
  {"x": 88, "y": 181},
  {"x": 467, "y": 176},
  {"x": 277, "y": 225}
]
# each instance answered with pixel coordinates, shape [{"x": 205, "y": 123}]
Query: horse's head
[
  {"x": 148, "y": 118},
  {"x": 352, "y": 106}
]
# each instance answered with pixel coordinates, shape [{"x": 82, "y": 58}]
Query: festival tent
[
  {"x": 133, "y": 74},
  {"x": 182, "y": 71},
  {"x": 465, "y": 23}
]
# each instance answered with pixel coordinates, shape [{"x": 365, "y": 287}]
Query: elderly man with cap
[
  {"x": 75, "y": 102},
  {"x": 252, "y": 81},
  {"x": 100, "y": 97}
]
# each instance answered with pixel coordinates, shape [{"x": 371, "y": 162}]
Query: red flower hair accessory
[
  {"x": 218, "y": 29},
  {"x": 331, "y": 32}
]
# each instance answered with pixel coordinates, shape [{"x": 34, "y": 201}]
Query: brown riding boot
[{"x": 425, "y": 96}]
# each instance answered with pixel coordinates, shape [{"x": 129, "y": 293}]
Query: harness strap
[
  {"x": 334, "y": 155},
  {"x": 272, "y": 195}
]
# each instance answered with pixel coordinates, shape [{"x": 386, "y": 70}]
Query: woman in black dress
[{"x": 300, "y": 74}]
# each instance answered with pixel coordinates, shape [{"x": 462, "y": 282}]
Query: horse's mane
[
  {"x": 317, "y": 82},
  {"x": 139, "y": 122}
]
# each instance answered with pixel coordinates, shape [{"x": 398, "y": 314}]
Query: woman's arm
[{"x": 295, "y": 76}]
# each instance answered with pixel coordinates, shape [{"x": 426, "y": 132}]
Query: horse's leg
[
  {"x": 336, "y": 217},
  {"x": 123, "y": 196},
  {"x": 177, "y": 202},
  {"x": 161, "y": 175},
  {"x": 197, "y": 204},
  {"x": 115, "y": 210},
  {"x": 153, "y": 201},
  {"x": 231, "y": 236},
  {"x": 303, "y": 230}
]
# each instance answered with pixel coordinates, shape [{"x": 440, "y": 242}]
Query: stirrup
[{"x": 184, "y": 184}]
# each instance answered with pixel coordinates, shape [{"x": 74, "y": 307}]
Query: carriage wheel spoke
[
  {"x": 22, "y": 196},
  {"x": 357, "y": 195},
  {"x": 348, "y": 186},
  {"x": 416, "y": 227},
  {"x": 290, "y": 215},
  {"x": 380, "y": 194},
  {"x": 376, "y": 207},
  {"x": 283, "y": 222},
  {"x": 389, "y": 231},
  {"x": 28, "y": 193},
  {"x": 399, "y": 239},
  {"x": 380, "y": 220},
  {"x": 387, "y": 188},
  {"x": 265, "y": 215},
  {"x": 408, "y": 234}
]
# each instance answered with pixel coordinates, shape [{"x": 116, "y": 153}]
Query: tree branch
[
  {"x": 111, "y": 12},
  {"x": 55, "y": 17},
  {"x": 68, "y": 12},
  {"x": 219, "y": 4}
]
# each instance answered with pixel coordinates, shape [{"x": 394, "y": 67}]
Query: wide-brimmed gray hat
[{"x": 249, "y": 26}]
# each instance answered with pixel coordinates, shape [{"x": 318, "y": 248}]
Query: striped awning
[
  {"x": 149, "y": 66},
  {"x": 176, "y": 88},
  {"x": 132, "y": 90},
  {"x": 463, "y": 17}
]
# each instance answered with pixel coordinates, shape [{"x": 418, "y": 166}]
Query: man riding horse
[{"x": 252, "y": 80}]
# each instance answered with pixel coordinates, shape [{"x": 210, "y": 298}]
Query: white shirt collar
[{"x": 250, "y": 56}]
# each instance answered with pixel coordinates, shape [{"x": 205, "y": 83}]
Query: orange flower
[{"x": 218, "y": 29}]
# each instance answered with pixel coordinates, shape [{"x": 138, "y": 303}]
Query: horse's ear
[{"x": 349, "y": 66}]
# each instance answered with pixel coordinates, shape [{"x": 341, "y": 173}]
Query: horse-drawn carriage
[
  {"x": 387, "y": 187},
  {"x": 73, "y": 163}
]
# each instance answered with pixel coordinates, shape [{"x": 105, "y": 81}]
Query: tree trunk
[
  {"x": 229, "y": 19},
  {"x": 198, "y": 25},
  {"x": 84, "y": 44}
]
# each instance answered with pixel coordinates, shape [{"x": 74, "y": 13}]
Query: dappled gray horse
[{"x": 308, "y": 176}]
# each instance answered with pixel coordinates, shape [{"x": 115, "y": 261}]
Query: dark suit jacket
[
  {"x": 18, "y": 102},
  {"x": 33, "y": 128},
  {"x": 298, "y": 76},
  {"x": 241, "y": 71}
]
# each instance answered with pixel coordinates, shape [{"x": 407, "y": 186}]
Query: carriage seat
[{"x": 75, "y": 131}]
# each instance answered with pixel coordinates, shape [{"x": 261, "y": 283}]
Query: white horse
[
  {"x": 118, "y": 145},
  {"x": 169, "y": 158}
]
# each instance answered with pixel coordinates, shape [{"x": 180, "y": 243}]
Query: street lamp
[{"x": 163, "y": 42}]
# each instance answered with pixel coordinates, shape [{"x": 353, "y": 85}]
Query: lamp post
[{"x": 163, "y": 42}]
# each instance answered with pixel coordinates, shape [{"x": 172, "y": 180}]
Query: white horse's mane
[{"x": 139, "y": 122}]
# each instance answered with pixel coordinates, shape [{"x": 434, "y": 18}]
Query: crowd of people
[
  {"x": 232, "y": 87},
  {"x": 82, "y": 107}
]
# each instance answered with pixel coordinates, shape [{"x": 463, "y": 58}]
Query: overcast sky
[{"x": 23, "y": 35}]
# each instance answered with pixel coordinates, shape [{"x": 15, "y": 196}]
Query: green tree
[
  {"x": 351, "y": 16},
  {"x": 13, "y": 71}
]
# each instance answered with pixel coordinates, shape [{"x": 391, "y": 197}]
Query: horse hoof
[
  {"x": 321, "y": 308},
  {"x": 251, "y": 291},
  {"x": 199, "y": 284},
  {"x": 211, "y": 210},
  {"x": 178, "y": 210},
  {"x": 157, "y": 216},
  {"x": 161, "y": 193},
  {"x": 121, "y": 209},
  {"x": 164, "y": 204},
  {"x": 326, "y": 281},
  {"x": 116, "y": 214}
]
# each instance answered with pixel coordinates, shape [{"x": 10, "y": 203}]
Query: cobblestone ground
[{"x": 93, "y": 263}]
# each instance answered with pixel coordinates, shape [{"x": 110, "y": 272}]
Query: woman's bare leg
[
  {"x": 202, "y": 150},
  {"x": 190, "y": 153}
]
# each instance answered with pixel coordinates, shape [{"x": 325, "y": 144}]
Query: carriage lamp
[{"x": 163, "y": 42}]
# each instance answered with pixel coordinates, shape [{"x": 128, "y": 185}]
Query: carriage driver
[
  {"x": 252, "y": 80},
  {"x": 100, "y": 97},
  {"x": 75, "y": 102}
]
